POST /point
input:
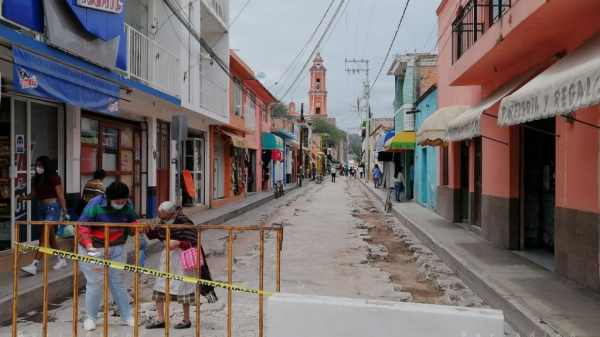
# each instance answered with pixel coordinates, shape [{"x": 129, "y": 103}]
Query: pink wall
[{"x": 577, "y": 162}]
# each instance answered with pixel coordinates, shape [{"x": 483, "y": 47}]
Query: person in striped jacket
[{"x": 112, "y": 207}]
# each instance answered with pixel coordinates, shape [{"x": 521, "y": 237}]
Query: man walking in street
[
  {"x": 333, "y": 172},
  {"x": 361, "y": 170}
]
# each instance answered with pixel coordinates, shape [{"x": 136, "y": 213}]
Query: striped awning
[{"x": 400, "y": 142}]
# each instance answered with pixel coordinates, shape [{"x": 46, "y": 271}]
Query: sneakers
[
  {"x": 31, "y": 269},
  {"x": 89, "y": 324},
  {"x": 61, "y": 263},
  {"x": 129, "y": 322}
]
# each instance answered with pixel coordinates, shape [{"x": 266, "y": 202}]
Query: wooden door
[{"x": 163, "y": 162}]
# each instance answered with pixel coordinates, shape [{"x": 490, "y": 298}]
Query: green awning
[{"x": 271, "y": 142}]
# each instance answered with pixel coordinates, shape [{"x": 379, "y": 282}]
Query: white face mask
[{"x": 39, "y": 170}]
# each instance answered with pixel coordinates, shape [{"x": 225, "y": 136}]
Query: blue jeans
[
  {"x": 49, "y": 211},
  {"x": 94, "y": 288},
  {"x": 397, "y": 188}
]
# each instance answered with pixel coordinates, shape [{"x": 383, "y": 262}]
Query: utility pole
[
  {"x": 301, "y": 170},
  {"x": 367, "y": 96}
]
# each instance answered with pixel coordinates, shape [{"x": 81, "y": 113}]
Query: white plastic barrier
[{"x": 318, "y": 316}]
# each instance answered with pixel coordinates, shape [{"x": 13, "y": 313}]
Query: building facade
[
  {"x": 426, "y": 156},
  {"x": 524, "y": 176},
  {"x": 93, "y": 88}
]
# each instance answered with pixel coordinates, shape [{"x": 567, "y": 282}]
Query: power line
[
  {"x": 391, "y": 45},
  {"x": 368, "y": 29},
  {"x": 357, "y": 27},
  {"x": 231, "y": 24},
  {"x": 324, "y": 44},
  {"x": 304, "y": 48},
  {"x": 316, "y": 47}
]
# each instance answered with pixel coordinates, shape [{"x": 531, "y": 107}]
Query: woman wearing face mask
[
  {"x": 47, "y": 186},
  {"x": 112, "y": 207},
  {"x": 182, "y": 292}
]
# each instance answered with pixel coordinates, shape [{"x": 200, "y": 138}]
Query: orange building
[
  {"x": 522, "y": 166},
  {"x": 236, "y": 164}
]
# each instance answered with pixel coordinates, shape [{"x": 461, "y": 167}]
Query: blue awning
[
  {"x": 380, "y": 142},
  {"x": 39, "y": 76}
]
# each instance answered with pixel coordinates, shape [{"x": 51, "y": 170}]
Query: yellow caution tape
[{"x": 140, "y": 270}]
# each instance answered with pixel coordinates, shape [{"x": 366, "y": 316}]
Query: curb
[
  {"x": 521, "y": 318},
  {"x": 60, "y": 287}
]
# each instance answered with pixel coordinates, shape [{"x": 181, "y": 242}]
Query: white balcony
[
  {"x": 151, "y": 64},
  {"x": 250, "y": 117},
  {"x": 213, "y": 97},
  {"x": 220, "y": 9}
]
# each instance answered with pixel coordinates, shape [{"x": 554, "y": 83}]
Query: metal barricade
[{"x": 137, "y": 226}]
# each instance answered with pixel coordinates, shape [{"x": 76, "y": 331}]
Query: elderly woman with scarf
[{"x": 182, "y": 292}]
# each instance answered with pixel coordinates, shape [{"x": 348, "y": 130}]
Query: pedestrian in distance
[
  {"x": 93, "y": 188},
  {"x": 333, "y": 172},
  {"x": 361, "y": 170},
  {"x": 398, "y": 184},
  {"x": 314, "y": 171},
  {"x": 112, "y": 207},
  {"x": 182, "y": 292},
  {"x": 377, "y": 176},
  {"x": 47, "y": 187}
]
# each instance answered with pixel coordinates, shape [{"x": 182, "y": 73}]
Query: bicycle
[
  {"x": 279, "y": 189},
  {"x": 388, "y": 201}
]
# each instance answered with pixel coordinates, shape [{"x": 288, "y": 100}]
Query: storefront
[
  {"x": 272, "y": 159},
  {"x": 403, "y": 145},
  {"x": 193, "y": 162},
  {"x": 287, "y": 153},
  {"x": 114, "y": 145},
  {"x": 229, "y": 171}
]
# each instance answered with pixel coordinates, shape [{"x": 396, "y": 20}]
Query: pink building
[{"x": 522, "y": 165}]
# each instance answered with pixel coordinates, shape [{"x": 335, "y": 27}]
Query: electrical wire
[
  {"x": 368, "y": 29},
  {"x": 316, "y": 48},
  {"x": 357, "y": 27},
  {"x": 391, "y": 45},
  {"x": 231, "y": 24},
  {"x": 305, "y": 45}
]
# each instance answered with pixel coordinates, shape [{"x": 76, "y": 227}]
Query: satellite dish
[{"x": 261, "y": 77}]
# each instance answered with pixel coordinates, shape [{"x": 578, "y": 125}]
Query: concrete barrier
[{"x": 291, "y": 315}]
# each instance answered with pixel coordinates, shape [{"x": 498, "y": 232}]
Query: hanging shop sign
[{"x": 112, "y": 6}]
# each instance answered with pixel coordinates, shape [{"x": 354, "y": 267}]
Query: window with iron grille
[{"x": 473, "y": 20}]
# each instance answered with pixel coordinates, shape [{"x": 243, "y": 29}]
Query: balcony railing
[
  {"x": 250, "y": 117},
  {"x": 213, "y": 97},
  {"x": 473, "y": 21},
  {"x": 221, "y": 8},
  {"x": 151, "y": 64}
]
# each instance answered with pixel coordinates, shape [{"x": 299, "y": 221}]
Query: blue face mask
[
  {"x": 170, "y": 222},
  {"x": 117, "y": 207}
]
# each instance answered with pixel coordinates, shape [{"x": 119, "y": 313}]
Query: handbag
[{"x": 188, "y": 259}]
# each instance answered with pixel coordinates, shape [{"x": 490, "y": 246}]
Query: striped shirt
[
  {"x": 100, "y": 210},
  {"x": 92, "y": 189}
]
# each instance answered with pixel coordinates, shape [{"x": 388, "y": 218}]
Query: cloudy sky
[{"x": 271, "y": 33}]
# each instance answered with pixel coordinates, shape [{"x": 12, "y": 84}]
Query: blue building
[{"x": 425, "y": 169}]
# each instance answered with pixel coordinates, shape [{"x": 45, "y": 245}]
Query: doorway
[
  {"x": 538, "y": 184},
  {"x": 251, "y": 166},
  {"x": 424, "y": 199},
  {"x": 28, "y": 129},
  {"x": 478, "y": 188},
  {"x": 163, "y": 173},
  {"x": 464, "y": 182}
]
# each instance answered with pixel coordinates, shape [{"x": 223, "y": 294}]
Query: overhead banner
[
  {"x": 570, "y": 84},
  {"x": 39, "y": 76}
]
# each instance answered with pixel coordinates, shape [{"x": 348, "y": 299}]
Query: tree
[
  {"x": 334, "y": 135},
  {"x": 355, "y": 146},
  {"x": 279, "y": 110}
]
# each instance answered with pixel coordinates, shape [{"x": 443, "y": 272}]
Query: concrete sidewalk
[
  {"x": 536, "y": 301},
  {"x": 61, "y": 282}
]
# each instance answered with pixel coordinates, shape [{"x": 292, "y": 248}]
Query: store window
[{"x": 116, "y": 148}]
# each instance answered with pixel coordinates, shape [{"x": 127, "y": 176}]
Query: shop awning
[
  {"x": 380, "y": 142},
  {"x": 322, "y": 154},
  {"x": 400, "y": 142},
  {"x": 433, "y": 130},
  {"x": 570, "y": 84},
  {"x": 271, "y": 142},
  {"x": 236, "y": 140},
  {"x": 39, "y": 76},
  {"x": 294, "y": 143},
  {"x": 467, "y": 124},
  {"x": 282, "y": 133}
]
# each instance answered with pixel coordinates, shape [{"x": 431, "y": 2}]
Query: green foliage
[
  {"x": 335, "y": 135},
  {"x": 279, "y": 110},
  {"x": 355, "y": 146}
]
